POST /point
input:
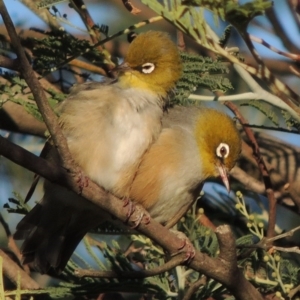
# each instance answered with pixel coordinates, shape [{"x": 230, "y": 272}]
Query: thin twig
[
  {"x": 283, "y": 235},
  {"x": 111, "y": 37},
  {"x": 84, "y": 14},
  {"x": 11, "y": 270},
  {"x": 280, "y": 31},
  {"x": 262, "y": 167},
  {"x": 287, "y": 249},
  {"x": 88, "y": 66},
  {"x": 30, "y": 161},
  {"x": 263, "y": 94},
  {"x": 294, "y": 71},
  {"x": 274, "y": 49},
  {"x": 37, "y": 91},
  {"x": 287, "y": 91},
  {"x": 172, "y": 263},
  {"x": 12, "y": 244},
  {"x": 266, "y": 243},
  {"x": 248, "y": 181},
  {"x": 205, "y": 221},
  {"x": 281, "y": 89},
  {"x": 194, "y": 287},
  {"x": 180, "y": 40}
]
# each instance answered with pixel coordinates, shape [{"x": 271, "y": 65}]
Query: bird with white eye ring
[
  {"x": 108, "y": 127},
  {"x": 222, "y": 150},
  {"x": 148, "y": 68},
  {"x": 194, "y": 145}
]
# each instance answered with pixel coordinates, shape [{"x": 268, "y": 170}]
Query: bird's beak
[
  {"x": 224, "y": 176},
  {"x": 123, "y": 67}
]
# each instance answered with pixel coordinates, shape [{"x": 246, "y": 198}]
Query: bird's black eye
[
  {"x": 148, "y": 68},
  {"x": 222, "y": 150}
]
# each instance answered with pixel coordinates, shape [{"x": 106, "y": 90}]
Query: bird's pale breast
[
  {"x": 167, "y": 174},
  {"x": 108, "y": 130}
]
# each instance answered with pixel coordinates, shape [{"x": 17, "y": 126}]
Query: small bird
[
  {"x": 195, "y": 144},
  {"x": 108, "y": 127}
]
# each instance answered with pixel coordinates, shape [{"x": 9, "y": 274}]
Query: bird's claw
[
  {"x": 140, "y": 213},
  {"x": 82, "y": 181},
  {"x": 131, "y": 208},
  {"x": 185, "y": 247}
]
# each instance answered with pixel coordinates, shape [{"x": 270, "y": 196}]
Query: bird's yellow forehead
[
  {"x": 155, "y": 50},
  {"x": 212, "y": 129},
  {"x": 152, "y": 46}
]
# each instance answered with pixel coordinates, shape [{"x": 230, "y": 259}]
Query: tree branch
[
  {"x": 212, "y": 267},
  {"x": 221, "y": 269},
  {"x": 37, "y": 91},
  {"x": 172, "y": 263},
  {"x": 11, "y": 270},
  {"x": 14, "y": 117}
]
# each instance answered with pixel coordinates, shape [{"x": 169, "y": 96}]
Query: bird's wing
[
  {"x": 181, "y": 116},
  {"x": 44, "y": 153},
  {"x": 90, "y": 85},
  {"x": 184, "y": 209},
  {"x": 54, "y": 227}
]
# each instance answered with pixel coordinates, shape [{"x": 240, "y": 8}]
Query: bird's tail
[{"x": 54, "y": 227}]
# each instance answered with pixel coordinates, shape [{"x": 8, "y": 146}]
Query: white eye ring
[
  {"x": 148, "y": 68},
  {"x": 222, "y": 150}
]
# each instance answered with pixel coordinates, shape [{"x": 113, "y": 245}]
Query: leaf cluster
[
  {"x": 53, "y": 50},
  {"x": 14, "y": 89},
  {"x": 232, "y": 11},
  {"x": 19, "y": 205},
  {"x": 200, "y": 72},
  {"x": 269, "y": 271}
]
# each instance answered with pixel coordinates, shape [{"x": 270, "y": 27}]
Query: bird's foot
[
  {"x": 186, "y": 246},
  {"x": 141, "y": 214},
  {"x": 131, "y": 207},
  {"x": 82, "y": 181}
]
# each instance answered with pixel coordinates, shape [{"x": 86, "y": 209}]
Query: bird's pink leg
[
  {"x": 186, "y": 246},
  {"x": 139, "y": 211}
]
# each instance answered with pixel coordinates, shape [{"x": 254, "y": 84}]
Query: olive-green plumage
[
  {"x": 153, "y": 63},
  {"x": 108, "y": 126},
  {"x": 186, "y": 153},
  {"x": 153, "y": 47},
  {"x": 213, "y": 128}
]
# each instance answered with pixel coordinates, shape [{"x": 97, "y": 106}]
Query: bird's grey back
[{"x": 182, "y": 116}]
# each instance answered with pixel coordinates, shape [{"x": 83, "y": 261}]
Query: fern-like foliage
[
  {"x": 269, "y": 271},
  {"x": 200, "y": 72},
  {"x": 19, "y": 205},
  {"x": 52, "y": 50},
  {"x": 14, "y": 89},
  {"x": 264, "y": 108},
  {"x": 48, "y": 3},
  {"x": 225, "y": 37},
  {"x": 232, "y": 11},
  {"x": 290, "y": 121}
]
